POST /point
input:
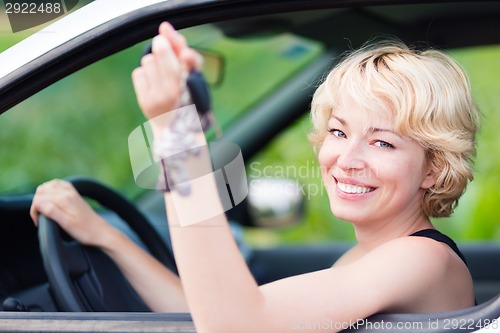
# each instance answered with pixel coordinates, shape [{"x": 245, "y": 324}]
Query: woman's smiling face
[{"x": 370, "y": 172}]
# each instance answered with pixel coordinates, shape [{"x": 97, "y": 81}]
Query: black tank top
[{"x": 438, "y": 236}]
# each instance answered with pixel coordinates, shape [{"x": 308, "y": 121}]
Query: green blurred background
[{"x": 91, "y": 116}]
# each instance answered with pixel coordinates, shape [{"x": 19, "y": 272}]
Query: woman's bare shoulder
[
  {"x": 402, "y": 247},
  {"x": 431, "y": 274}
]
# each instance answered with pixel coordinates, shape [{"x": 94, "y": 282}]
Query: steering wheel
[{"x": 83, "y": 278}]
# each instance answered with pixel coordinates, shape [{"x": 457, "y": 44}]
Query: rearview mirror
[{"x": 213, "y": 66}]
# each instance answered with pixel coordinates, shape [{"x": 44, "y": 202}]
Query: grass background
[{"x": 80, "y": 125}]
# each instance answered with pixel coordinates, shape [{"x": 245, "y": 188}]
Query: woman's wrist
[
  {"x": 177, "y": 145},
  {"x": 107, "y": 237}
]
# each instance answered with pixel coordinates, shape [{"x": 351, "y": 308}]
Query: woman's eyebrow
[
  {"x": 340, "y": 120},
  {"x": 376, "y": 129},
  {"x": 371, "y": 129}
]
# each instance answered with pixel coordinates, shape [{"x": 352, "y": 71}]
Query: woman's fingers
[
  {"x": 191, "y": 59},
  {"x": 164, "y": 53},
  {"x": 34, "y": 211},
  {"x": 151, "y": 74},
  {"x": 158, "y": 81},
  {"x": 61, "y": 202},
  {"x": 177, "y": 40},
  {"x": 168, "y": 69},
  {"x": 51, "y": 210},
  {"x": 45, "y": 197},
  {"x": 188, "y": 58},
  {"x": 141, "y": 86}
]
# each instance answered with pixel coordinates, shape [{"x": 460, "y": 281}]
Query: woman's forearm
[
  {"x": 216, "y": 279},
  {"x": 158, "y": 287}
]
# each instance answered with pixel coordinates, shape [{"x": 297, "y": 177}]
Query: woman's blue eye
[
  {"x": 337, "y": 133},
  {"x": 383, "y": 144}
]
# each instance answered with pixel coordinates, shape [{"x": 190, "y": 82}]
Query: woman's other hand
[{"x": 59, "y": 201}]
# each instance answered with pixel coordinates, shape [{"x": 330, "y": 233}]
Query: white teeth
[{"x": 353, "y": 188}]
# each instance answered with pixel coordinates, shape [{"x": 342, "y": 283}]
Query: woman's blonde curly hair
[{"x": 430, "y": 97}]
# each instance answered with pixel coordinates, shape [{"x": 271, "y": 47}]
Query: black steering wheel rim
[{"x": 75, "y": 271}]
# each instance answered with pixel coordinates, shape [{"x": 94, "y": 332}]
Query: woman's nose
[{"x": 351, "y": 157}]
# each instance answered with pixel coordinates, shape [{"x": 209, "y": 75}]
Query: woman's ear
[{"x": 430, "y": 179}]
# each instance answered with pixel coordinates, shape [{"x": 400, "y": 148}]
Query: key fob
[{"x": 200, "y": 96}]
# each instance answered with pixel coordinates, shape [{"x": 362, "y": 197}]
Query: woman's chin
[{"x": 348, "y": 214}]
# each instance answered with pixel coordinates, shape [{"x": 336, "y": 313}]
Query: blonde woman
[{"x": 395, "y": 132}]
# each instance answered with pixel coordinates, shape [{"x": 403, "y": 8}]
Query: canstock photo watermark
[
  {"x": 310, "y": 176},
  {"x": 24, "y": 15},
  {"x": 179, "y": 169},
  {"x": 429, "y": 325}
]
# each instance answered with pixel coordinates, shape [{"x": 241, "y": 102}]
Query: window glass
[
  {"x": 80, "y": 125},
  {"x": 77, "y": 126}
]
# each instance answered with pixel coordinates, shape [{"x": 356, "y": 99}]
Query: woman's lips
[
  {"x": 349, "y": 188},
  {"x": 354, "y": 189}
]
